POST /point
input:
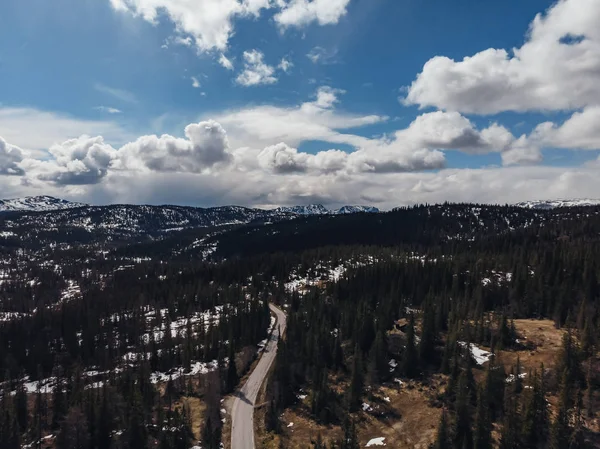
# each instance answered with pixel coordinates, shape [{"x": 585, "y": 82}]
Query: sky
[{"x": 283, "y": 102}]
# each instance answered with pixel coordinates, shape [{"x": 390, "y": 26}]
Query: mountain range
[{"x": 46, "y": 203}]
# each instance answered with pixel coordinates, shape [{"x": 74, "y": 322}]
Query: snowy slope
[
  {"x": 553, "y": 204},
  {"x": 311, "y": 209},
  {"x": 37, "y": 204},
  {"x": 356, "y": 210},
  {"x": 319, "y": 209}
]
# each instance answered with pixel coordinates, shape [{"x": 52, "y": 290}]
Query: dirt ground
[{"x": 406, "y": 421}]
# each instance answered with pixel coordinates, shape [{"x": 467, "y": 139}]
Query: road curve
[{"x": 242, "y": 429}]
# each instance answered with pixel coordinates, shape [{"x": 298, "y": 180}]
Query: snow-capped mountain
[
  {"x": 356, "y": 210},
  {"x": 319, "y": 209},
  {"x": 37, "y": 204},
  {"x": 311, "y": 209},
  {"x": 553, "y": 204}
]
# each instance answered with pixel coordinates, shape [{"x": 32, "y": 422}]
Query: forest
[{"x": 134, "y": 345}]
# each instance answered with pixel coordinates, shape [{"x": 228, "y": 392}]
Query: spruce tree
[
  {"x": 483, "y": 422},
  {"x": 442, "y": 440},
  {"x": 409, "y": 365}
]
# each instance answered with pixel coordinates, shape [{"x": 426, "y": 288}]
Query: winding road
[{"x": 242, "y": 431}]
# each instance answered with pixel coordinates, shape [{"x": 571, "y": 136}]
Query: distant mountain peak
[
  {"x": 310, "y": 209},
  {"x": 319, "y": 209},
  {"x": 356, "y": 209},
  {"x": 553, "y": 204},
  {"x": 37, "y": 204}
]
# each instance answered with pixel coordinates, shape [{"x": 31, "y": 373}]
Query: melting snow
[
  {"x": 479, "y": 355},
  {"x": 376, "y": 442}
]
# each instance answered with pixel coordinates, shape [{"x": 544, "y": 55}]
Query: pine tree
[
  {"x": 535, "y": 417},
  {"x": 463, "y": 433},
  {"x": 74, "y": 431},
  {"x": 378, "y": 359},
  {"x": 483, "y": 422},
  {"x": 232, "y": 375},
  {"x": 22, "y": 413},
  {"x": 409, "y": 365},
  {"x": 350, "y": 438},
  {"x": 357, "y": 381},
  {"x": 428, "y": 334},
  {"x": 561, "y": 431},
  {"x": 442, "y": 440}
]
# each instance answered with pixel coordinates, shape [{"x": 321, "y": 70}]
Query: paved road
[{"x": 242, "y": 432}]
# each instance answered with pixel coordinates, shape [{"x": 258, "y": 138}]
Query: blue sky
[{"x": 375, "y": 100}]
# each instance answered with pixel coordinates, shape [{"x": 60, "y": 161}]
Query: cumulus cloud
[
  {"x": 389, "y": 160},
  {"x": 256, "y": 71},
  {"x": 451, "y": 131},
  {"x": 205, "y": 146},
  {"x": 209, "y": 24},
  {"x": 303, "y": 12},
  {"x": 10, "y": 158},
  {"x": 580, "y": 131},
  {"x": 195, "y": 82},
  {"x": 80, "y": 161},
  {"x": 283, "y": 159},
  {"x": 551, "y": 71}
]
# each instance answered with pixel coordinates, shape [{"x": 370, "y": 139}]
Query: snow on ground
[
  {"x": 208, "y": 317},
  {"x": 366, "y": 407},
  {"x": 479, "y": 355},
  {"x": 290, "y": 424},
  {"x": 386, "y": 399},
  {"x": 393, "y": 364},
  {"x": 318, "y": 274},
  {"x": 72, "y": 291},
  {"x": 497, "y": 278},
  {"x": 376, "y": 442},
  {"x": 176, "y": 373},
  {"x": 511, "y": 377},
  {"x": 399, "y": 382},
  {"x": 12, "y": 316}
]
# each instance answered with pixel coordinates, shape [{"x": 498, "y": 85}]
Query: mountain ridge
[{"x": 46, "y": 203}]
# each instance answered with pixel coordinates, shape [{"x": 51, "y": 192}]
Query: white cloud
[
  {"x": 10, "y": 158},
  {"x": 225, "y": 62},
  {"x": 285, "y": 65},
  {"x": 108, "y": 109},
  {"x": 320, "y": 55},
  {"x": 205, "y": 146},
  {"x": 195, "y": 82},
  {"x": 300, "y": 13},
  {"x": 262, "y": 126},
  {"x": 580, "y": 131},
  {"x": 254, "y": 156},
  {"x": 80, "y": 161},
  {"x": 17, "y": 125},
  {"x": 209, "y": 22},
  {"x": 256, "y": 71},
  {"x": 551, "y": 71},
  {"x": 120, "y": 94}
]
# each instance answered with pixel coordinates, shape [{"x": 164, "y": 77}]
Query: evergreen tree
[
  {"x": 357, "y": 381},
  {"x": 409, "y": 365},
  {"x": 483, "y": 422},
  {"x": 463, "y": 433},
  {"x": 442, "y": 440}
]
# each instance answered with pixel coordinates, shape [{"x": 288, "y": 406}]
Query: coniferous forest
[{"x": 487, "y": 318}]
